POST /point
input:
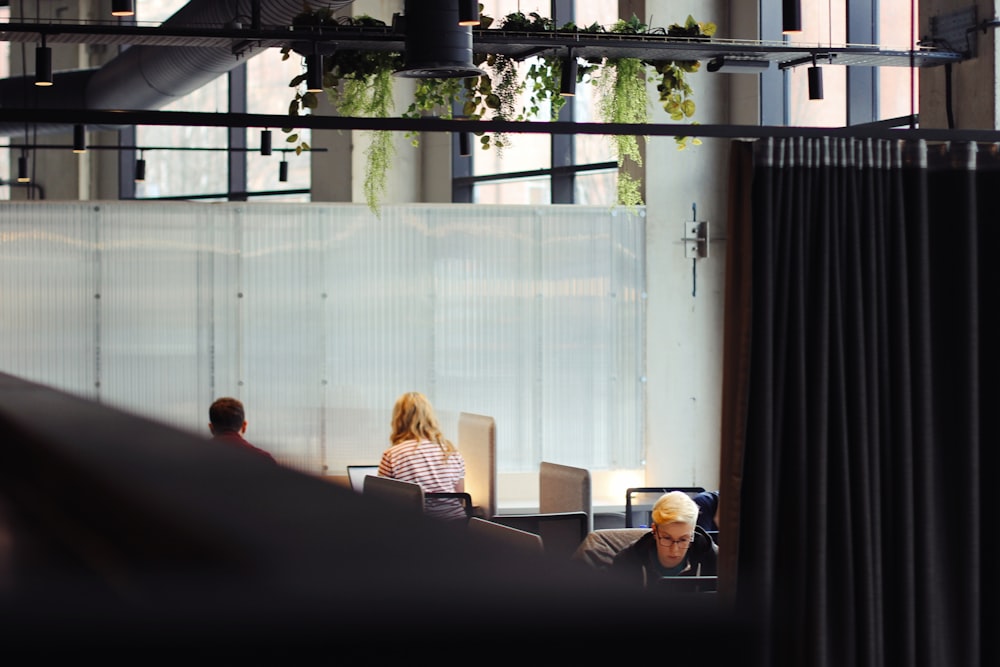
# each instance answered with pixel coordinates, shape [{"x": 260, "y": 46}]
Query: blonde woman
[
  {"x": 675, "y": 547},
  {"x": 420, "y": 453}
]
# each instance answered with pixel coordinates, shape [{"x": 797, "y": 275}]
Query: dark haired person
[{"x": 227, "y": 422}]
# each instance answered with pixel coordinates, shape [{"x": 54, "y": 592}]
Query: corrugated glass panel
[
  {"x": 49, "y": 278},
  {"x": 319, "y": 316}
]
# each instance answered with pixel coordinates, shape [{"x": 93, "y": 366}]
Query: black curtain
[{"x": 859, "y": 344}]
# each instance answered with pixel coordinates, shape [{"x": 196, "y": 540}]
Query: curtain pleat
[{"x": 852, "y": 435}]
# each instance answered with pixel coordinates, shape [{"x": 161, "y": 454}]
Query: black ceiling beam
[{"x": 110, "y": 119}]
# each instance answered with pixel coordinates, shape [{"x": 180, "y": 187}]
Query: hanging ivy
[{"x": 359, "y": 83}]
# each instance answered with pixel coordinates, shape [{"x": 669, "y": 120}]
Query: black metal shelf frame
[{"x": 517, "y": 45}]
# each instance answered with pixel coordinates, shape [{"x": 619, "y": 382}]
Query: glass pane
[
  {"x": 157, "y": 11},
  {"x": 318, "y": 316},
  {"x": 268, "y": 93},
  {"x": 899, "y": 88},
  {"x": 5, "y": 141},
  {"x": 592, "y": 148},
  {"x": 822, "y": 24},
  {"x": 515, "y": 191},
  {"x": 597, "y": 188},
  {"x": 172, "y": 168}
]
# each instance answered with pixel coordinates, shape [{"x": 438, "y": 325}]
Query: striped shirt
[{"x": 425, "y": 463}]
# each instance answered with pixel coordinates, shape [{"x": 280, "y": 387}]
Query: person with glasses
[{"x": 676, "y": 546}]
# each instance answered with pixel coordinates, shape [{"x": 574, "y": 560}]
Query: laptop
[
  {"x": 357, "y": 475},
  {"x": 683, "y": 584}
]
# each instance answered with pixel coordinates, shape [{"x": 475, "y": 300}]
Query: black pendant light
[
  {"x": 283, "y": 170},
  {"x": 140, "y": 169},
  {"x": 265, "y": 142},
  {"x": 122, "y": 8},
  {"x": 22, "y": 169},
  {"x": 79, "y": 138},
  {"x": 43, "y": 64},
  {"x": 791, "y": 16},
  {"x": 567, "y": 82},
  {"x": 815, "y": 81},
  {"x": 468, "y": 12},
  {"x": 314, "y": 73}
]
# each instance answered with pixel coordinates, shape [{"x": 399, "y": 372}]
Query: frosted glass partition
[{"x": 318, "y": 316}]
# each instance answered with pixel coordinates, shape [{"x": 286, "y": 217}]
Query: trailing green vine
[
  {"x": 359, "y": 83},
  {"x": 623, "y": 100}
]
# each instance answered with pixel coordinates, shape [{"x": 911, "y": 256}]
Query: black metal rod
[
  {"x": 64, "y": 118},
  {"x": 221, "y": 149}
]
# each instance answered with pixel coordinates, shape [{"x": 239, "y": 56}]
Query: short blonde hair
[{"x": 675, "y": 507}]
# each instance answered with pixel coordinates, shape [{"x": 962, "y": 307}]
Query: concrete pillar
[
  {"x": 974, "y": 90},
  {"x": 685, "y": 295}
]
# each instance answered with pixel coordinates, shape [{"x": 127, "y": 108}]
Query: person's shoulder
[
  {"x": 633, "y": 550},
  {"x": 265, "y": 454},
  {"x": 402, "y": 447}
]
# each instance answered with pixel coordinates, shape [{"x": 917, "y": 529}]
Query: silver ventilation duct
[{"x": 150, "y": 77}]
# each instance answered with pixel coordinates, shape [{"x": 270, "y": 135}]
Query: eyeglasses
[{"x": 666, "y": 541}]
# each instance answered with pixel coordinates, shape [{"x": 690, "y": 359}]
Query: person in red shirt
[{"x": 227, "y": 422}]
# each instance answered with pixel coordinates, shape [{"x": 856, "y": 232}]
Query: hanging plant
[
  {"x": 623, "y": 99},
  {"x": 675, "y": 91},
  {"x": 357, "y": 83}
]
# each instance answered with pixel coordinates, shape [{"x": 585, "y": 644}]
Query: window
[{"x": 511, "y": 176}]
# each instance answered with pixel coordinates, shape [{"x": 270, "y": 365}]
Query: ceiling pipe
[{"x": 145, "y": 78}]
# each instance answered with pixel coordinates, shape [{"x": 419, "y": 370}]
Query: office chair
[
  {"x": 639, "y": 504},
  {"x": 561, "y": 532}
]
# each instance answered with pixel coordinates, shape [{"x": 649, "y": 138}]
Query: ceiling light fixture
[
  {"x": 567, "y": 81},
  {"x": 815, "y": 81},
  {"x": 122, "y": 8},
  {"x": 464, "y": 144},
  {"x": 791, "y": 16},
  {"x": 79, "y": 138},
  {"x": 314, "y": 73},
  {"x": 265, "y": 142},
  {"x": 140, "y": 169},
  {"x": 468, "y": 12},
  {"x": 43, "y": 64},
  {"x": 22, "y": 169},
  {"x": 283, "y": 170}
]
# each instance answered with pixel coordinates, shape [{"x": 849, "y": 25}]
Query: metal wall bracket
[
  {"x": 956, "y": 31},
  {"x": 695, "y": 239}
]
